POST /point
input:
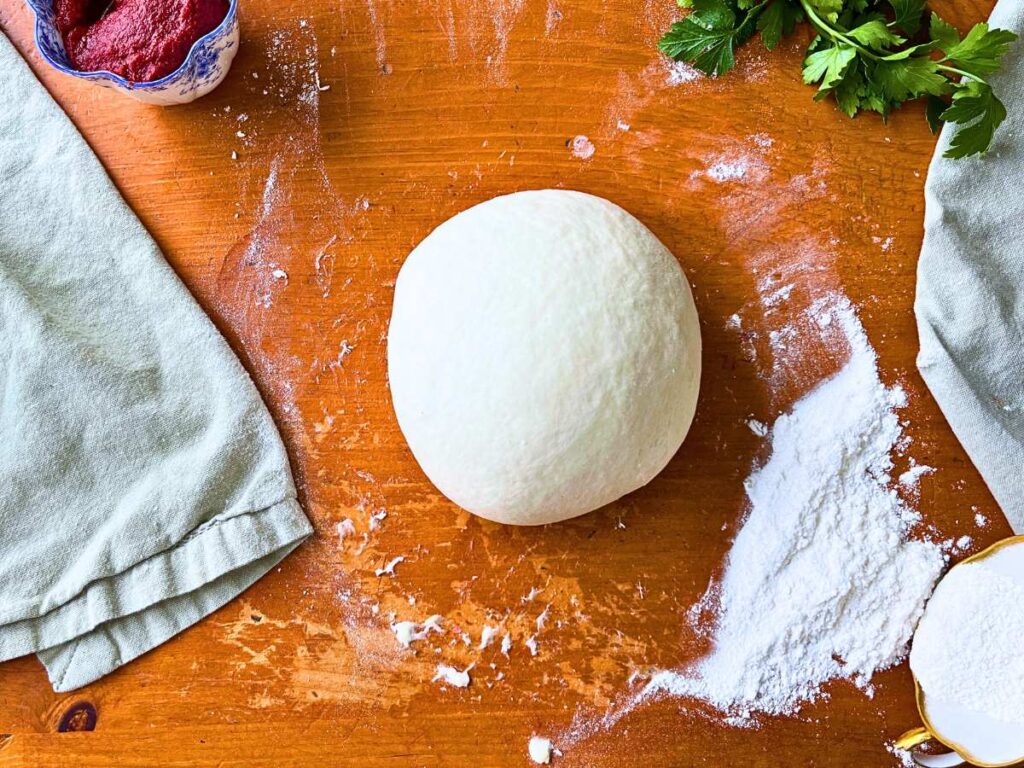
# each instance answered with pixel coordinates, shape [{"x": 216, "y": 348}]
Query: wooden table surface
[{"x": 358, "y": 127}]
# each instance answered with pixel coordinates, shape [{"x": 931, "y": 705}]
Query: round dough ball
[{"x": 544, "y": 356}]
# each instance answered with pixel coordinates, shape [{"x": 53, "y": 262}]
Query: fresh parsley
[{"x": 867, "y": 54}]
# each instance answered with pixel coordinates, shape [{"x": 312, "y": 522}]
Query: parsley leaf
[
  {"x": 851, "y": 90},
  {"x": 827, "y": 9},
  {"x": 867, "y": 54},
  {"x": 705, "y": 38},
  {"x": 907, "y": 14},
  {"x": 828, "y": 65},
  {"x": 944, "y": 35},
  {"x": 778, "y": 20},
  {"x": 975, "y": 108},
  {"x": 979, "y": 52},
  {"x": 876, "y": 34},
  {"x": 911, "y": 78}
]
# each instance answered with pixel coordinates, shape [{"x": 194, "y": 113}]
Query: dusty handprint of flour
[{"x": 822, "y": 581}]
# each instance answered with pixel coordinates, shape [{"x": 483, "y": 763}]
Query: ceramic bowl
[
  {"x": 975, "y": 738},
  {"x": 205, "y": 66}
]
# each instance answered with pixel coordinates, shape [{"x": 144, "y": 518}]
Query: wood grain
[{"x": 429, "y": 107}]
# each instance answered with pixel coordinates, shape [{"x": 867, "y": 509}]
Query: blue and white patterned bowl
[{"x": 205, "y": 66}]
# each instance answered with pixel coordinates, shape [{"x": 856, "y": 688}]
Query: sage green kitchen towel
[
  {"x": 142, "y": 481},
  {"x": 970, "y": 289}
]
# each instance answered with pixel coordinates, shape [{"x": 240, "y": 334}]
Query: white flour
[
  {"x": 722, "y": 171},
  {"x": 968, "y": 648},
  {"x": 582, "y": 148},
  {"x": 487, "y": 635},
  {"x": 821, "y": 582},
  {"x": 380, "y": 45},
  {"x": 389, "y": 569},
  {"x": 408, "y": 632},
  {"x": 678, "y": 72},
  {"x": 540, "y": 750},
  {"x": 452, "y": 676}
]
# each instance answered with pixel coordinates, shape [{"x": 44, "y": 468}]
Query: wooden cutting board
[{"x": 356, "y": 128}]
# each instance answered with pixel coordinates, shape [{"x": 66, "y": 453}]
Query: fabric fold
[
  {"x": 970, "y": 288},
  {"x": 143, "y": 483}
]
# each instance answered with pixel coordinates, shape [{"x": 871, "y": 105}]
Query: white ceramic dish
[{"x": 974, "y": 738}]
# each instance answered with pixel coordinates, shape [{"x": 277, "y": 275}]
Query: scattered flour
[
  {"x": 759, "y": 428},
  {"x": 323, "y": 266},
  {"x": 380, "y": 44},
  {"x": 912, "y": 477},
  {"x": 529, "y": 596},
  {"x": 905, "y": 758},
  {"x": 967, "y": 650},
  {"x": 885, "y": 243},
  {"x": 540, "y": 750},
  {"x": 732, "y": 167},
  {"x": 958, "y": 546},
  {"x": 487, "y": 635},
  {"x": 408, "y": 632},
  {"x": 389, "y": 569},
  {"x": 345, "y": 528},
  {"x": 723, "y": 171},
  {"x": 552, "y": 17},
  {"x": 679, "y": 72},
  {"x": 821, "y": 582},
  {"x": 250, "y": 282},
  {"x": 772, "y": 297},
  {"x": 452, "y": 676},
  {"x": 504, "y": 15},
  {"x": 582, "y": 148},
  {"x": 542, "y": 619}
]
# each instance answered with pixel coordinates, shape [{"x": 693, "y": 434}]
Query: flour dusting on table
[
  {"x": 379, "y": 43},
  {"x": 822, "y": 581},
  {"x": 540, "y": 750},
  {"x": 582, "y": 148},
  {"x": 408, "y": 632},
  {"x": 679, "y": 72},
  {"x": 458, "y": 678}
]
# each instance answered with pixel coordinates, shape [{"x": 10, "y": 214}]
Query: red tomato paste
[{"x": 140, "y": 40}]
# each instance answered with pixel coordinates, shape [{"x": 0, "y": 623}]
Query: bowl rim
[
  {"x": 227, "y": 21},
  {"x": 919, "y": 695}
]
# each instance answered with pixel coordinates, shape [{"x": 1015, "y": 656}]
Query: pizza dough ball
[{"x": 544, "y": 356}]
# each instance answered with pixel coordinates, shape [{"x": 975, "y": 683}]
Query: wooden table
[{"x": 357, "y": 128}]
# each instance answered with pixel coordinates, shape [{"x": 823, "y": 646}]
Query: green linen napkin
[
  {"x": 142, "y": 481},
  {"x": 970, "y": 289}
]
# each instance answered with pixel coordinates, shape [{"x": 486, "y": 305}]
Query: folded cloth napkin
[
  {"x": 142, "y": 481},
  {"x": 970, "y": 289}
]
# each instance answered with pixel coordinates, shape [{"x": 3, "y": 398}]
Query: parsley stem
[
  {"x": 829, "y": 31},
  {"x": 960, "y": 72}
]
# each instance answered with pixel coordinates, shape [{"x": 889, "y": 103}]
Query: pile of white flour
[{"x": 822, "y": 581}]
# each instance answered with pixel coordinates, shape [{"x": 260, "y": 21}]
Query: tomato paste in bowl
[
  {"x": 140, "y": 40},
  {"x": 156, "y": 51}
]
